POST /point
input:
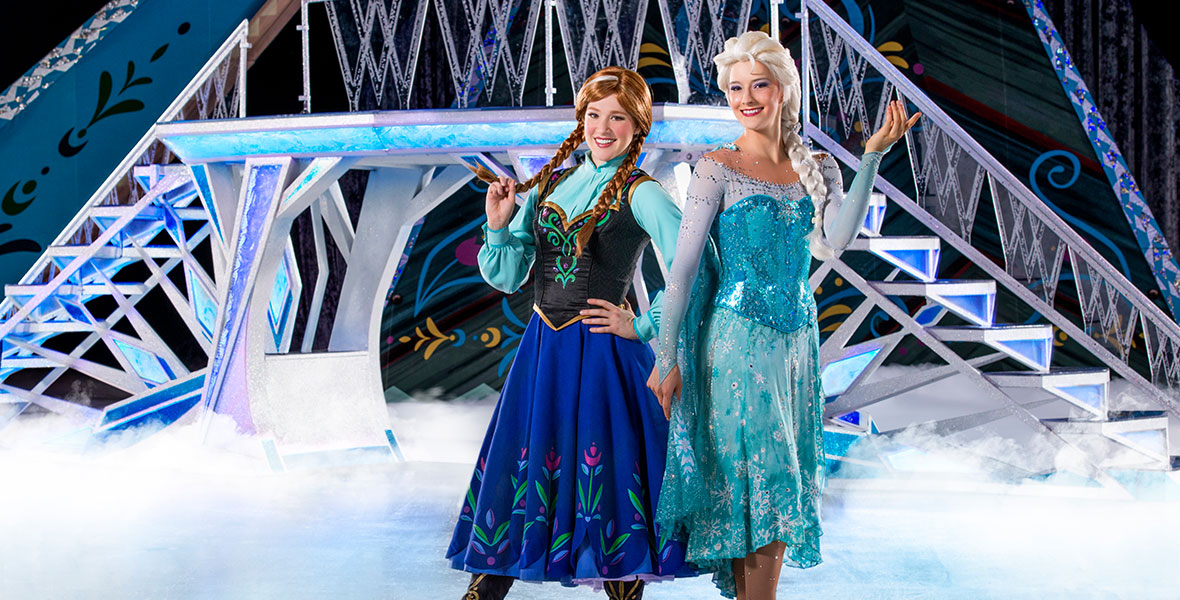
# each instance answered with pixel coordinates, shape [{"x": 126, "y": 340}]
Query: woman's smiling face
[
  {"x": 609, "y": 129},
  {"x": 754, "y": 95}
]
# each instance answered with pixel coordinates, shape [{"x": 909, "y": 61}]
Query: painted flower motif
[
  {"x": 592, "y": 455},
  {"x": 468, "y": 251},
  {"x": 552, "y": 460}
]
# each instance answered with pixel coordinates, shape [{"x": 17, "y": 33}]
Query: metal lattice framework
[
  {"x": 850, "y": 84},
  {"x": 147, "y": 214},
  {"x": 489, "y": 43},
  {"x": 391, "y": 38}
]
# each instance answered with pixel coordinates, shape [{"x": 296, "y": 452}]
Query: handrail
[{"x": 1078, "y": 247}]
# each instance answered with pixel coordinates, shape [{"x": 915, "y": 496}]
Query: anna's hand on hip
[{"x": 610, "y": 319}]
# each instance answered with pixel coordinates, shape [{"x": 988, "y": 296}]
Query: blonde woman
[
  {"x": 568, "y": 478},
  {"x": 745, "y": 452}
]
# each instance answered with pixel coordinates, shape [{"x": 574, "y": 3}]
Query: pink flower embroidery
[
  {"x": 592, "y": 456},
  {"x": 552, "y": 460}
]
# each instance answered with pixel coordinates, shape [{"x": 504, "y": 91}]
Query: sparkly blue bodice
[{"x": 765, "y": 259}]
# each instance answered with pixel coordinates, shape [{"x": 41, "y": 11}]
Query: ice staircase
[
  {"x": 74, "y": 338},
  {"x": 1069, "y": 408},
  {"x": 81, "y": 293}
]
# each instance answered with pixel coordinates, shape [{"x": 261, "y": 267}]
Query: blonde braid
[
  {"x": 609, "y": 192},
  {"x": 813, "y": 181}
]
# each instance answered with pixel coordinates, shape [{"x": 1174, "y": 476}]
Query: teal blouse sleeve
[
  {"x": 659, "y": 216},
  {"x": 507, "y": 254}
]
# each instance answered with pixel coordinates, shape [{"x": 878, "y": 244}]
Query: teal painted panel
[{"x": 60, "y": 149}]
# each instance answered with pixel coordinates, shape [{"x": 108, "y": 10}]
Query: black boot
[
  {"x": 484, "y": 586},
  {"x": 624, "y": 590}
]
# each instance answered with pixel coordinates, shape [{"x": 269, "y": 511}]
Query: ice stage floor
[{"x": 170, "y": 519}]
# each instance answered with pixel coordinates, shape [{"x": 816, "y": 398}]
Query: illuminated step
[
  {"x": 1032, "y": 345},
  {"x": 876, "y": 215},
  {"x": 973, "y": 300},
  {"x": 1085, "y": 388},
  {"x": 917, "y": 255},
  {"x": 1144, "y": 433}
]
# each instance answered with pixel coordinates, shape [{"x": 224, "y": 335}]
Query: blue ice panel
[
  {"x": 156, "y": 397},
  {"x": 978, "y": 306},
  {"x": 838, "y": 375},
  {"x": 147, "y": 365},
  {"x": 204, "y": 306},
  {"x": 1152, "y": 440},
  {"x": 280, "y": 303},
  {"x": 920, "y": 263},
  {"x": 201, "y": 178},
  {"x": 442, "y": 138},
  {"x": 1036, "y": 351},
  {"x": 1091, "y": 395},
  {"x": 531, "y": 163}
]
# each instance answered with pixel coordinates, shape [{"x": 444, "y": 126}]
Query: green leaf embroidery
[
  {"x": 500, "y": 531},
  {"x": 618, "y": 542},
  {"x": 561, "y": 539}
]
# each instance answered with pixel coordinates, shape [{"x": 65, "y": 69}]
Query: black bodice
[{"x": 563, "y": 282}]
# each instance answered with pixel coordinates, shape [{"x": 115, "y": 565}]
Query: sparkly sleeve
[
  {"x": 845, "y": 213},
  {"x": 705, "y": 195},
  {"x": 658, "y": 215},
  {"x": 507, "y": 254}
]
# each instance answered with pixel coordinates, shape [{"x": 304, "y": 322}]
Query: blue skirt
[{"x": 569, "y": 475}]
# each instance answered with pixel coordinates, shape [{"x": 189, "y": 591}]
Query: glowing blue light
[
  {"x": 531, "y": 163},
  {"x": 442, "y": 138},
  {"x": 204, "y": 306},
  {"x": 839, "y": 375},
  {"x": 116, "y": 415},
  {"x": 1036, "y": 352},
  {"x": 147, "y": 365},
  {"x": 974, "y": 307},
  {"x": 1152, "y": 440},
  {"x": 921, "y": 263},
  {"x": 280, "y": 304},
  {"x": 201, "y": 177},
  {"x": 1093, "y": 395}
]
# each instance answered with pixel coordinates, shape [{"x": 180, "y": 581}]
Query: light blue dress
[{"x": 745, "y": 446}]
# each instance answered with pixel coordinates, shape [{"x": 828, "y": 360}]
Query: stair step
[
  {"x": 1146, "y": 435},
  {"x": 971, "y": 299},
  {"x": 1032, "y": 345},
  {"x": 73, "y": 290},
  {"x": 55, "y": 326},
  {"x": 27, "y": 362},
  {"x": 110, "y": 252},
  {"x": 915, "y": 255},
  {"x": 1083, "y": 387},
  {"x": 875, "y": 217}
]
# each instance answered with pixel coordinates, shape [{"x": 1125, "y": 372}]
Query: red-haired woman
[{"x": 569, "y": 473}]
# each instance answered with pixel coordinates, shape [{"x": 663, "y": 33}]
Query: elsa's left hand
[
  {"x": 895, "y": 125},
  {"x": 610, "y": 319}
]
